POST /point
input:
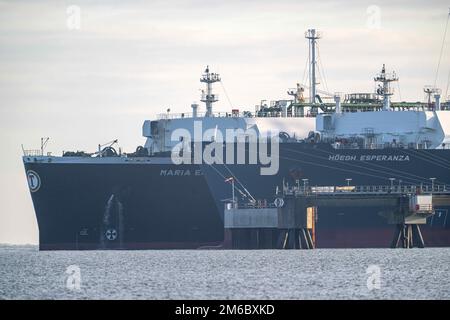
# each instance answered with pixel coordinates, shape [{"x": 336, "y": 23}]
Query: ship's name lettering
[
  {"x": 180, "y": 173},
  {"x": 340, "y": 157}
]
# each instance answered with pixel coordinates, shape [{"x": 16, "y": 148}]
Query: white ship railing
[
  {"x": 166, "y": 116},
  {"x": 35, "y": 153},
  {"x": 244, "y": 114},
  {"x": 32, "y": 153}
]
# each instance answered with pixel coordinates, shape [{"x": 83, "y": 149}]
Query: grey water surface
[{"x": 26, "y": 273}]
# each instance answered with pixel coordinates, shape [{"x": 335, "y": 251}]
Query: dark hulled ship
[{"x": 148, "y": 199}]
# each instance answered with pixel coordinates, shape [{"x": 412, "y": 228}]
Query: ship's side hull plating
[{"x": 122, "y": 206}]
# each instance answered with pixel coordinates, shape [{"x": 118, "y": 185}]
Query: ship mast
[
  {"x": 208, "y": 97},
  {"x": 312, "y": 35},
  {"x": 384, "y": 89}
]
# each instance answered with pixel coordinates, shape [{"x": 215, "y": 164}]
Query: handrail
[
  {"x": 32, "y": 153},
  {"x": 367, "y": 189},
  {"x": 169, "y": 116},
  {"x": 221, "y": 114}
]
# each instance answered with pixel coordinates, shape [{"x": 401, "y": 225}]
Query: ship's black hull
[
  {"x": 123, "y": 206},
  {"x": 156, "y": 204}
]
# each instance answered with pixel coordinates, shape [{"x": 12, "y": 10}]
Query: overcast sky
[{"x": 126, "y": 61}]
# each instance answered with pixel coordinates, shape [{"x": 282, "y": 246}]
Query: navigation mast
[
  {"x": 431, "y": 91},
  {"x": 208, "y": 97},
  {"x": 312, "y": 35},
  {"x": 384, "y": 89}
]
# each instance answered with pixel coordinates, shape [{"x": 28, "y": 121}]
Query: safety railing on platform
[
  {"x": 367, "y": 189},
  {"x": 258, "y": 204}
]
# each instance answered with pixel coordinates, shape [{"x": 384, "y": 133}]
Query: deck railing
[
  {"x": 35, "y": 153},
  {"x": 32, "y": 153}
]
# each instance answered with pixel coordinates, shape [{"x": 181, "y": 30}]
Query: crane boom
[{"x": 326, "y": 93}]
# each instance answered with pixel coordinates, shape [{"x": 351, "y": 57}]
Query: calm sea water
[{"x": 26, "y": 273}]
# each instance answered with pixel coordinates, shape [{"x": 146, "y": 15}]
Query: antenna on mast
[
  {"x": 208, "y": 97},
  {"x": 432, "y": 92},
  {"x": 384, "y": 89},
  {"x": 44, "y": 142},
  {"x": 429, "y": 90}
]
